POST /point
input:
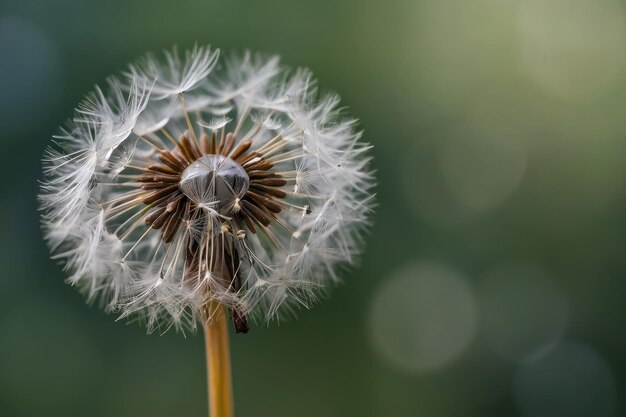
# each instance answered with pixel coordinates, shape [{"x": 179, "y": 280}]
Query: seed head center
[{"x": 215, "y": 181}]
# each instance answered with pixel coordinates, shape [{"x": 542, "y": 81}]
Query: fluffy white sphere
[{"x": 192, "y": 180}]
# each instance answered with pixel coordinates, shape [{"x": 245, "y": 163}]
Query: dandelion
[{"x": 194, "y": 189}]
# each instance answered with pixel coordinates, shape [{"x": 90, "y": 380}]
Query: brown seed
[
  {"x": 171, "y": 206},
  {"x": 241, "y": 149},
  {"x": 172, "y": 224},
  {"x": 158, "y": 195},
  {"x": 158, "y": 178},
  {"x": 220, "y": 145},
  {"x": 162, "y": 169},
  {"x": 168, "y": 159},
  {"x": 160, "y": 221},
  {"x": 242, "y": 159},
  {"x": 229, "y": 143},
  {"x": 271, "y": 182},
  {"x": 205, "y": 144},
  {"x": 265, "y": 201},
  {"x": 262, "y": 174},
  {"x": 266, "y": 211},
  {"x": 268, "y": 190},
  {"x": 249, "y": 223},
  {"x": 188, "y": 149},
  {"x": 261, "y": 165},
  {"x": 150, "y": 218},
  {"x": 213, "y": 143},
  {"x": 240, "y": 322},
  {"x": 154, "y": 186},
  {"x": 256, "y": 212},
  {"x": 176, "y": 153}
]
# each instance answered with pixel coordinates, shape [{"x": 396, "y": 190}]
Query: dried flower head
[{"x": 191, "y": 182}]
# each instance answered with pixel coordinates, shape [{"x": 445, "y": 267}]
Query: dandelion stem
[{"x": 218, "y": 362}]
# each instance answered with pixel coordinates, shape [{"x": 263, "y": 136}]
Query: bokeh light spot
[
  {"x": 422, "y": 318},
  {"x": 523, "y": 312},
  {"x": 573, "y": 48},
  {"x": 572, "y": 380}
]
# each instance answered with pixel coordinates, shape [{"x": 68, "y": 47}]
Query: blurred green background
[{"x": 493, "y": 281}]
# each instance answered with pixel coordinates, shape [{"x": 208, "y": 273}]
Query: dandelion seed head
[{"x": 191, "y": 179}]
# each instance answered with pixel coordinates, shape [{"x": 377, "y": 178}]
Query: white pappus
[{"x": 191, "y": 180}]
